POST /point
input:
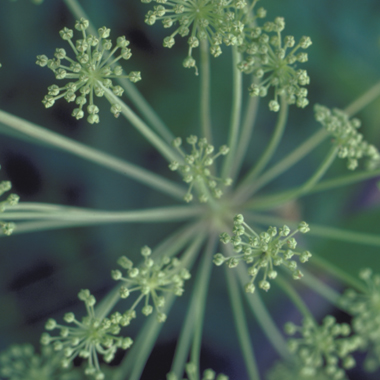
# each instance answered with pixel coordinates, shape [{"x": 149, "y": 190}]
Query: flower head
[
  {"x": 192, "y": 374},
  {"x": 365, "y": 309},
  {"x": 87, "y": 338},
  {"x": 264, "y": 251},
  {"x": 6, "y": 227},
  {"x": 217, "y": 21},
  {"x": 92, "y": 70},
  {"x": 346, "y": 137},
  {"x": 325, "y": 347},
  {"x": 272, "y": 59},
  {"x": 150, "y": 279},
  {"x": 196, "y": 169},
  {"x": 21, "y": 362}
]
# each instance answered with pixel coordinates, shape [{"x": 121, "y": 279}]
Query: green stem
[
  {"x": 205, "y": 92},
  {"x": 246, "y": 133},
  {"x": 287, "y": 196},
  {"x": 270, "y": 201},
  {"x": 273, "y": 144},
  {"x": 294, "y": 297},
  {"x": 263, "y": 317},
  {"x": 160, "y": 214},
  {"x": 235, "y": 114},
  {"x": 363, "y": 100},
  {"x": 166, "y": 150},
  {"x": 323, "y": 231},
  {"x": 282, "y": 166},
  {"x": 339, "y": 273},
  {"x": 57, "y": 141},
  {"x": 241, "y": 325},
  {"x": 133, "y": 364},
  {"x": 318, "y": 286},
  {"x": 130, "y": 89},
  {"x": 202, "y": 286}
]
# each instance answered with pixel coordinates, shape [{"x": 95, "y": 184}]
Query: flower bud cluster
[
  {"x": 346, "y": 137},
  {"x": 21, "y": 362},
  {"x": 263, "y": 251},
  {"x": 365, "y": 309},
  {"x": 327, "y": 347},
  {"x": 91, "y": 71},
  {"x": 196, "y": 169},
  {"x": 12, "y": 199},
  {"x": 150, "y": 279},
  {"x": 293, "y": 371},
  {"x": 88, "y": 338},
  {"x": 192, "y": 374},
  {"x": 272, "y": 60},
  {"x": 217, "y": 21}
]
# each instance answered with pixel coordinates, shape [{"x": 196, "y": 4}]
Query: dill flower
[
  {"x": 365, "y": 309},
  {"x": 150, "y": 279},
  {"x": 272, "y": 58},
  {"x": 88, "y": 338},
  {"x": 196, "y": 170},
  {"x": 294, "y": 371},
  {"x": 325, "y": 347},
  {"x": 192, "y": 374},
  {"x": 92, "y": 70},
  {"x": 217, "y": 21},
  {"x": 6, "y": 227},
  {"x": 264, "y": 251},
  {"x": 346, "y": 137},
  {"x": 21, "y": 362}
]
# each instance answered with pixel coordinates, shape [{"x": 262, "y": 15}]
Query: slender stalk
[
  {"x": 318, "y": 286},
  {"x": 263, "y": 317},
  {"x": 130, "y": 89},
  {"x": 283, "y": 165},
  {"x": 294, "y": 297},
  {"x": 160, "y": 214},
  {"x": 270, "y": 201},
  {"x": 131, "y": 368},
  {"x": 338, "y": 273},
  {"x": 368, "y": 97},
  {"x": 347, "y": 236},
  {"x": 246, "y": 133},
  {"x": 57, "y": 141},
  {"x": 202, "y": 287},
  {"x": 204, "y": 107},
  {"x": 273, "y": 143},
  {"x": 241, "y": 325},
  {"x": 166, "y": 150},
  {"x": 287, "y": 196},
  {"x": 235, "y": 114}
]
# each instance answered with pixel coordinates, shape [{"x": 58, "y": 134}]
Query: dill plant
[{"x": 233, "y": 224}]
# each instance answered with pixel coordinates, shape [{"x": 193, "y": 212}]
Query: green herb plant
[{"x": 230, "y": 224}]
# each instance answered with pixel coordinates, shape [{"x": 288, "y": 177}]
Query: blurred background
[{"x": 41, "y": 273}]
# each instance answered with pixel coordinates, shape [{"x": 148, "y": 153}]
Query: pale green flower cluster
[
  {"x": 150, "y": 279},
  {"x": 93, "y": 69},
  {"x": 272, "y": 60},
  {"x": 292, "y": 371},
  {"x": 12, "y": 199},
  {"x": 197, "y": 170},
  {"x": 324, "y": 348},
  {"x": 216, "y": 21},
  {"x": 264, "y": 251},
  {"x": 365, "y": 309},
  {"x": 346, "y": 137},
  {"x": 192, "y": 374},
  {"x": 88, "y": 338},
  {"x": 21, "y": 362}
]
